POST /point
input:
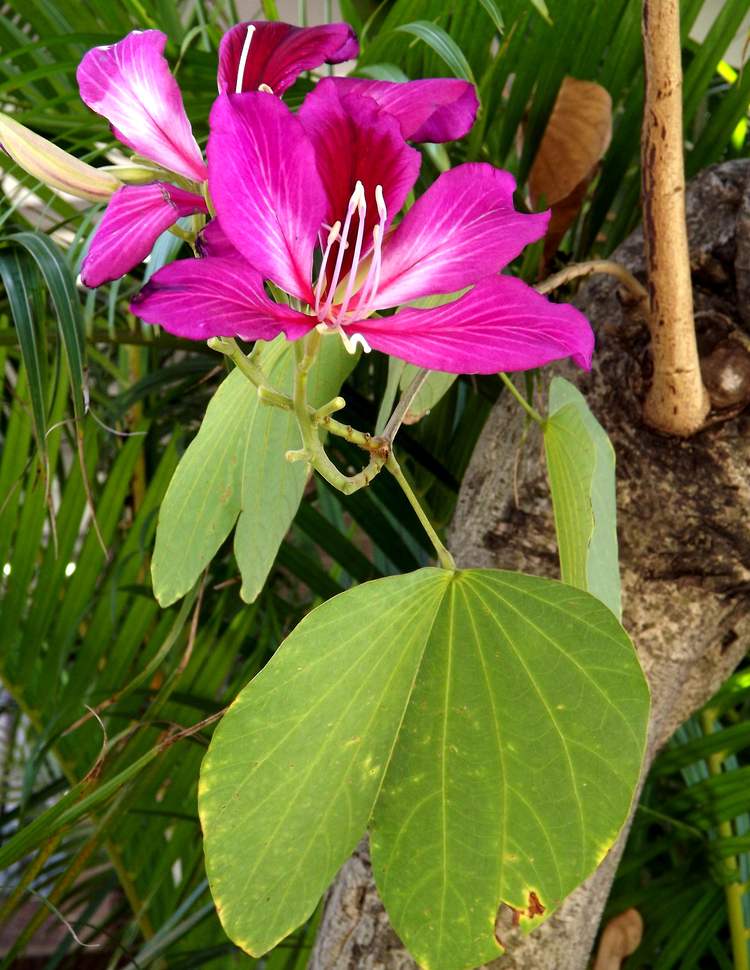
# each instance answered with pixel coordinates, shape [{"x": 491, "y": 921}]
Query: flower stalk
[{"x": 312, "y": 421}]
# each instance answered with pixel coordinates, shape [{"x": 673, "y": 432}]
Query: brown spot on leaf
[{"x": 535, "y": 906}]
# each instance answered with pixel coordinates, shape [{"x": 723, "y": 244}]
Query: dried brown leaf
[{"x": 578, "y": 134}]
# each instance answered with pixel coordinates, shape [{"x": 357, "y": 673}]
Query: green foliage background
[{"x": 106, "y": 809}]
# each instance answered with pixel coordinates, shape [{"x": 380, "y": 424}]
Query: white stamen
[
  {"x": 362, "y": 212},
  {"x": 380, "y": 201},
  {"x": 369, "y": 288},
  {"x": 357, "y": 194},
  {"x": 265, "y": 88},
  {"x": 352, "y": 342},
  {"x": 333, "y": 235},
  {"x": 326, "y": 226},
  {"x": 243, "y": 58}
]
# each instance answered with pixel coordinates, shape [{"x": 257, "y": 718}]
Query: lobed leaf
[{"x": 489, "y": 726}]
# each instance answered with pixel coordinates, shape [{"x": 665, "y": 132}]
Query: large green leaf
[
  {"x": 489, "y": 725},
  {"x": 234, "y": 471},
  {"x": 581, "y": 469}
]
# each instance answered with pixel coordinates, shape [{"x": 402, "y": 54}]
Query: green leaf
[
  {"x": 234, "y": 471},
  {"x": 60, "y": 283},
  {"x": 443, "y": 45},
  {"x": 494, "y": 13},
  {"x": 581, "y": 469},
  {"x": 469, "y": 716},
  {"x": 436, "y": 385},
  {"x": 401, "y": 374},
  {"x": 21, "y": 282},
  {"x": 75, "y": 803},
  {"x": 541, "y": 8}
]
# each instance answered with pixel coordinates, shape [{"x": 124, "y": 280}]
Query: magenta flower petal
[
  {"x": 213, "y": 241},
  {"x": 437, "y": 109},
  {"x": 500, "y": 325},
  {"x": 462, "y": 229},
  {"x": 276, "y": 53},
  {"x": 265, "y": 186},
  {"x": 216, "y": 297},
  {"x": 132, "y": 222},
  {"x": 130, "y": 84},
  {"x": 355, "y": 140}
]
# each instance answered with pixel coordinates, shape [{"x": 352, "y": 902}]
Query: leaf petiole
[
  {"x": 445, "y": 559},
  {"x": 531, "y": 411}
]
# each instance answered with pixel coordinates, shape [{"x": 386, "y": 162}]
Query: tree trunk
[{"x": 684, "y": 542}]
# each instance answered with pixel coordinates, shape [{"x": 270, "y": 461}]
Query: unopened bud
[{"x": 53, "y": 166}]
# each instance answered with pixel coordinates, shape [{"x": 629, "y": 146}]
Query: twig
[
  {"x": 677, "y": 402},
  {"x": 404, "y": 403},
  {"x": 56, "y": 912},
  {"x": 588, "y": 268}
]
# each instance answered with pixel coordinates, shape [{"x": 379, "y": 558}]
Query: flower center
[{"x": 334, "y": 318}]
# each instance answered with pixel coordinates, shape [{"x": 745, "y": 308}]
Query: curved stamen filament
[
  {"x": 243, "y": 58},
  {"x": 362, "y": 212},
  {"x": 333, "y": 235},
  {"x": 351, "y": 342},
  {"x": 354, "y": 202}
]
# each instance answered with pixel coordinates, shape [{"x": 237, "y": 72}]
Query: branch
[
  {"x": 588, "y": 268},
  {"x": 677, "y": 402}
]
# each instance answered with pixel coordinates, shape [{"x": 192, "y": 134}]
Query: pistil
[
  {"x": 362, "y": 212},
  {"x": 369, "y": 289},
  {"x": 243, "y": 58}
]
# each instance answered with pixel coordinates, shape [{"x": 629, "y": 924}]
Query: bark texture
[{"x": 684, "y": 542}]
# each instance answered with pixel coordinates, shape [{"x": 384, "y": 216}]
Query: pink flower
[
  {"x": 273, "y": 55},
  {"x": 330, "y": 180},
  {"x": 130, "y": 84}
]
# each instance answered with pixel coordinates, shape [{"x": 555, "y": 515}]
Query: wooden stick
[{"x": 677, "y": 402}]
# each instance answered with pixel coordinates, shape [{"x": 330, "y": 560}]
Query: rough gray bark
[{"x": 684, "y": 542}]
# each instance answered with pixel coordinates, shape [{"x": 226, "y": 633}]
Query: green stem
[
  {"x": 444, "y": 557},
  {"x": 207, "y": 199},
  {"x": 248, "y": 366},
  {"x": 309, "y": 419},
  {"x": 733, "y": 891},
  {"x": 531, "y": 411},
  {"x": 320, "y": 417},
  {"x": 188, "y": 237}
]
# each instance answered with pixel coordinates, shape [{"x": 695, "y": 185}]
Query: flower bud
[{"x": 53, "y": 166}]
